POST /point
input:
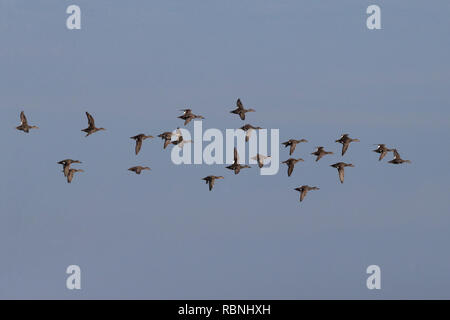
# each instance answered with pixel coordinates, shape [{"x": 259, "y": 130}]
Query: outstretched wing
[
  {"x": 303, "y": 194},
  {"x": 138, "y": 145},
  {"x": 319, "y": 156},
  {"x": 187, "y": 120},
  {"x": 396, "y": 154},
  {"x": 236, "y": 155},
  {"x": 290, "y": 169},
  {"x": 211, "y": 184},
  {"x": 91, "y": 120},
  {"x": 242, "y": 115},
  {"x": 383, "y": 153},
  {"x": 341, "y": 174},
  {"x": 345, "y": 147},
  {"x": 66, "y": 169},
  {"x": 23, "y": 119},
  {"x": 292, "y": 149},
  {"x": 239, "y": 104},
  {"x": 70, "y": 176},
  {"x": 166, "y": 143}
]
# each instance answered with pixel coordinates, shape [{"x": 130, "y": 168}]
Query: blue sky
[{"x": 310, "y": 69}]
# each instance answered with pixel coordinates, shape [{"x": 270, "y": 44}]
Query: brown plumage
[
  {"x": 187, "y": 116},
  {"x": 304, "y": 190},
  {"x": 71, "y": 173},
  {"x": 167, "y": 137},
  {"x": 320, "y": 152},
  {"x": 248, "y": 128},
  {"x": 240, "y": 110},
  {"x": 340, "y": 167},
  {"x": 24, "y": 126},
  {"x": 91, "y": 125},
  {"x": 293, "y": 143},
  {"x": 382, "y": 150},
  {"x": 210, "y": 180},
  {"x": 397, "y": 159},
  {"x": 291, "y": 163},
  {"x": 139, "y": 138},
  {"x": 236, "y": 166},
  {"x": 66, "y": 165},
  {"x": 345, "y": 140},
  {"x": 138, "y": 169}
]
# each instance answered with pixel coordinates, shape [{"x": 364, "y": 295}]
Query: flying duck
[
  {"x": 24, "y": 126},
  {"x": 66, "y": 165},
  {"x": 260, "y": 159},
  {"x": 382, "y": 150},
  {"x": 345, "y": 140},
  {"x": 236, "y": 166},
  {"x": 210, "y": 180},
  {"x": 320, "y": 152},
  {"x": 139, "y": 138},
  {"x": 291, "y": 163},
  {"x": 293, "y": 143},
  {"x": 304, "y": 190},
  {"x": 138, "y": 169},
  {"x": 248, "y": 130},
  {"x": 397, "y": 159},
  {"x": 340, "y": 167},
  {"x": 91, "y": 125},
  {"x": 187, "y": 116},
  {"x": 240, "y": 109}
]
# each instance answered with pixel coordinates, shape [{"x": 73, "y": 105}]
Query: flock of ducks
[{"x": 187, "y": 116}]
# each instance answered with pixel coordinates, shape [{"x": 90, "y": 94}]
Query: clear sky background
[{"x": 310, "y": 68}]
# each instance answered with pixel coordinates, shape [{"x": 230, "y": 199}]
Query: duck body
[{"x": 320, "y": 152}]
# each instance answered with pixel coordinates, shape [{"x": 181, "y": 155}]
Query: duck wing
[
  {"x": 138, "y": 145},
  {"x": 66, "y": 168},
  {"x": 239, "y": 104},
  {"x": 166, "y": 143},
  {"x": 290, "y": 168},
  {"x": 91, "y": 120},
  {"x": 292, "y": 149},
  {"x": 303, "y": 194},
  {"x": 70, "y": 176},
  {"x": 23, "y": 118},
  {"x": 345, "y": 146},
  {"x": 341, "y": 174}
]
